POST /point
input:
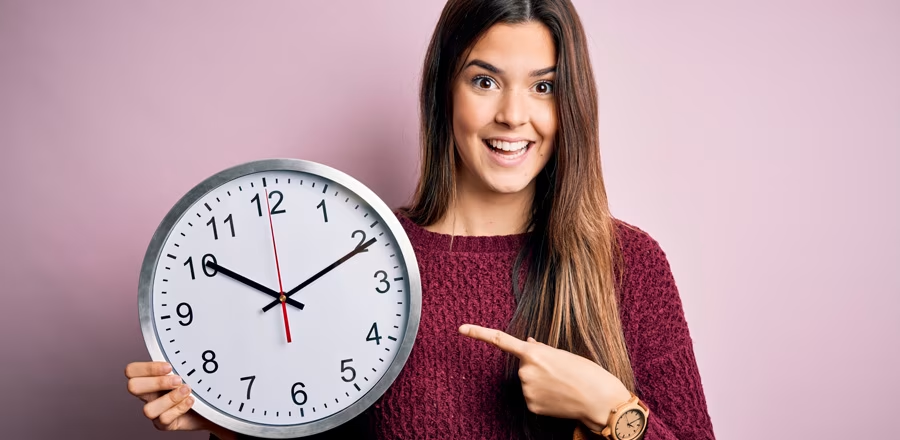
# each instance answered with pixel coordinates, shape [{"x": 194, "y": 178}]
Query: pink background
[{"x": 758, "y": 141}]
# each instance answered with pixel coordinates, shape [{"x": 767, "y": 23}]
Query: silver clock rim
[{"x": 154, "y": 252}]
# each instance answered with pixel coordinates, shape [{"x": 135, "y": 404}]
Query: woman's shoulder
[
  {"x": 637, "y": 245},
  {"x": 650, "y": 304}
]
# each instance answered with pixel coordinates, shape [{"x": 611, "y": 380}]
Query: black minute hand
[
  {"x": 359, "y": 249},
  {"x": 251, "y": 283}
]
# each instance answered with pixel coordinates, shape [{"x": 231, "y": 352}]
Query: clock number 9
[
  {"x": 189, "y": 315},
  {"x": 344, "y": 368},
  {"x": 387, "y": 285},
  {"x": 212, "y": 360},
  {"x": 209, "y": 272},
  {"x": 295, "y": 392}
]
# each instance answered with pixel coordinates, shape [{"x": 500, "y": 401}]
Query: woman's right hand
[{"x": 167, "y": 399}]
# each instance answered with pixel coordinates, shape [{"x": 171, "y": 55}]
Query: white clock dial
[{"x": 214, "y": 292}]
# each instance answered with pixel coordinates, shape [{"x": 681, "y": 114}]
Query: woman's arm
[{"x": 659, "y": 343}]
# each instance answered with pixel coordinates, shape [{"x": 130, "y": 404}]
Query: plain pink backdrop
[{"x": 758, "y": 141}]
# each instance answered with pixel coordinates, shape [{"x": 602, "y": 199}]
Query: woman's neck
[{"x": 482, "y": 212}]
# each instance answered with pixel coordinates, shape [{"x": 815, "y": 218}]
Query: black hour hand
[{"x": 244, "y": 280}]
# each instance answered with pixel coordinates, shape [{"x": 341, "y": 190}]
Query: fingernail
[
  {"x": 530, "y": 339},
  {"x": 184, "y": 390},
  {"x": 174, "y": 381},
  {"x": 167, "y": 368},
  {"x": 464, "y": 329},
  {"x": 190, "y": 400}
]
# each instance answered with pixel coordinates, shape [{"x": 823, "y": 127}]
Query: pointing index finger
[{"x": 497, "y": 338}]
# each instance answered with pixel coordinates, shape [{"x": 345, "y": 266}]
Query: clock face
[
  {"x": 284, "y": 293},
  {"x": 630, "y": 425}
]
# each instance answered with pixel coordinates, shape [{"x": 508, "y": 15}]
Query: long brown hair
[{"x": 571, "y": 257}]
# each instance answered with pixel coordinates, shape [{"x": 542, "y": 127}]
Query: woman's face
[{"x": 504, "y": 110}]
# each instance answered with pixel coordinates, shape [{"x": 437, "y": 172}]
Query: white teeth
[{"x": 508, "y": 146}]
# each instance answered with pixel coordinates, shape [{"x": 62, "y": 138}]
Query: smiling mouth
[{"x": 508, "y": 149}]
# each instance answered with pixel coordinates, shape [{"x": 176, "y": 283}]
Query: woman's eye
[
  {"x": 484, "y": 82},
  {"x": 544, "y": 88}
]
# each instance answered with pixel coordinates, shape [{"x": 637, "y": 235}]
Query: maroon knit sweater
[{"x": 451, "y": 385}]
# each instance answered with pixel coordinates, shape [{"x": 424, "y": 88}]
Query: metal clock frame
[{"x": 154, "y": 252}]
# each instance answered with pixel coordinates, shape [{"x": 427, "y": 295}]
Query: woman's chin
[{"x": 509, "y": 187}]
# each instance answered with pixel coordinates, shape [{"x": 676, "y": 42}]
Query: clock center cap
[{"x": 282, "y": 298}]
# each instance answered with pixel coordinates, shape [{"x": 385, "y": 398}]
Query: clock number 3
[
  {"x": 275, "y": 209},
  {"x": 383, "y": 280}
]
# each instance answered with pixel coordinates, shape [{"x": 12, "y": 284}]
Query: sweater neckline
[{"x": 437, "y": 242}]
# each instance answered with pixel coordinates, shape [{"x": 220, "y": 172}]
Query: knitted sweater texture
[{"x": 450, "y": 387}]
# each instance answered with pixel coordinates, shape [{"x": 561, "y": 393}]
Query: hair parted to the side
[{"x": 571, "y": 258}]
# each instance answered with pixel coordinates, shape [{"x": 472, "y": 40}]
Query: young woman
[{"x": 542, "y": 314}]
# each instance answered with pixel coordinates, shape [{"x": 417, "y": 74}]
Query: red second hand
[{"x": 287, "y": 325}]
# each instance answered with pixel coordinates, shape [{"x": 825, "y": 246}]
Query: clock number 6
[
  {"x": 275, "y": 209},
  {"x": 344, "y": 368},
  {"x": 295, "y": 392},
  {"x": 387, "y": 285}
]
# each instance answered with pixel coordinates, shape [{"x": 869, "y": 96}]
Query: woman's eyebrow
[
  {"x": 544, "y": 71},
  {"x": 493, "y": 69},
  {"x": 485, "y": 65}
]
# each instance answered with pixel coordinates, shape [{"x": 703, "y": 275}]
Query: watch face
[
  {"x": 630, "y": 425},
  {"x": 284, "y": 293}
]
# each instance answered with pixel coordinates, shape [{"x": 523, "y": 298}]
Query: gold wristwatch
[{"x": 627, "y": 421}]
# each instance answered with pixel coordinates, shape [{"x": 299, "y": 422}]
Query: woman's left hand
[{"x": 557, "y": 383}]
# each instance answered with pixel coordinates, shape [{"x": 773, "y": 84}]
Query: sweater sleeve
[{"x": 660, "y": 345}]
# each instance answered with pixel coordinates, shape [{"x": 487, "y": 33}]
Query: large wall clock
[{"x": 285, "y": 293}]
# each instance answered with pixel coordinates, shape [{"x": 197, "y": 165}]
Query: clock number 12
[{"x": 275, "y": 209}]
